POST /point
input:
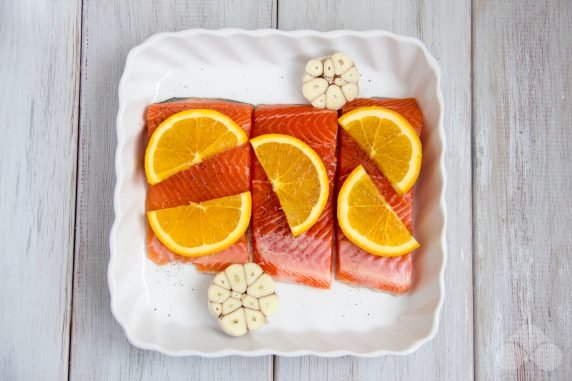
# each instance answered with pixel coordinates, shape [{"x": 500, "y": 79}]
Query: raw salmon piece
[
  {"x": 241, "y": 113},
  {"x": 225, "y": 174},
  {"x": 407, "y": 107},
  {"x": 161, "y": 255},
  {"x": 306, "y": 259},
  {"x": 354, "y": 265}
]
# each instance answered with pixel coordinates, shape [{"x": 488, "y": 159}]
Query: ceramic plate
[{"x": 165, "y": 307}]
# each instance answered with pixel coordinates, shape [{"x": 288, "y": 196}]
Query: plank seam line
[
  {"x": 77, "y": 181},
  {"x": 277, "y": 2},
  {"x": 473, "y": 172}
]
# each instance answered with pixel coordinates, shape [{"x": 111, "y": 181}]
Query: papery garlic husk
[
  {"x": 242, "y": 297},
  {"x": 330, "y": 82}
]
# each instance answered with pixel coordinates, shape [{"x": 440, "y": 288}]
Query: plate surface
[{"x": 165, "y": 307}]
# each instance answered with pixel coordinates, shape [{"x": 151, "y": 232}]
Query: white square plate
[{"x": 165, "y": 307}]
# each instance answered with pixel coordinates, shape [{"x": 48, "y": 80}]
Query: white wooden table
[{"x": 507, "y": 80}]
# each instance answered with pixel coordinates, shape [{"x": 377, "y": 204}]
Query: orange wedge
[
  {"x": 368, "y": 220},
  {"x": 202, "y": 228},
  {"x": 298, "y": 178},
  {"x": 389, "y": 140},
  {"x": 186, "y": 139}
]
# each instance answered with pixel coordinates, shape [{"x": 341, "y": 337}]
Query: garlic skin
[
  {"x": 242, "y": 297},
  {"x": 330, "y": 82}
]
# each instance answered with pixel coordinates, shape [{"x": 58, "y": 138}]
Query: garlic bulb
[
  {"x": 242, "y": 297},
  {"x": 330, "y": 82}
]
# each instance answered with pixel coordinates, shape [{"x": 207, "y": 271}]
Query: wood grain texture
[
  {"x": 522, "y": 182},
  {"x": 521, "y": 185},
  {"x": 100, "y": 350},
  {"x": 39, "y": 76},
  {"x": 445, "y": 27}
]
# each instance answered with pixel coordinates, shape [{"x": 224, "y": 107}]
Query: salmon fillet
[
  {"x": 225, "y": 174},
  {"x": 306, "y": 259},
  {"x": 354, "y": 265},
  {"x": 161, "y": 255}
]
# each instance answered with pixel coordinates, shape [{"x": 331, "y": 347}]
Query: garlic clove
[
  {"x": 341, "y": 63},
  {"x": 252, "y": 271},
  {"x": 230, "y": 305},
  {"x": 315, "y": 67},
  {"x": 351, "y": 75},
  {"x": 215, "y": 309},
  {"x": 254, "y": 319},
  {"x": 320, "y": 102},
  {"x": 335, "y": 99},
  {"x": 262, "y": 287},
  {"x": 236, "y": 277},
  {"x": 221, "y": 280},
  {"x": 340, "y": 82},
  {"x": 218, "y": 294},
  {"x": 350, "y": 91},
  {"x": 307, "y": 77},
  {"x": 329, "y": 70},
  {"x": 314, "y": 88},
  {"x": 234, "y": 323},
  {"x": 236, "y": 295},
  {"x": 268, "y": 304},
  {"x": 250, "y": 302}
]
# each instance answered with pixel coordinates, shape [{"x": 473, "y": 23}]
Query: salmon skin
[
  {"x": 225, "y": 174},
  {"x": 306, "y": 259},
  {"x": 354, "y": 265}
]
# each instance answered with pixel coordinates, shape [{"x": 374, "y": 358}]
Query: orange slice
[
  {"x": 298, "y": 178},
  {"x": 202, "y": 228},
  {"x": 389, "y": 140},
  {"x": 186, "y": 139},
  {"x": 369, "y": 221}
]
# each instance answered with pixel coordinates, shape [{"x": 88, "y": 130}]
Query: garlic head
[{"x": 329, "y": 82}]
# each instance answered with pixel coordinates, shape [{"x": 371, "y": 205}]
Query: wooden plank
[
  {"x": 99, "y": 348},
  {"x": 522, "y": 182},
  {"x": 445, "y": 29},
  {"x": 39, "y": 77}
]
